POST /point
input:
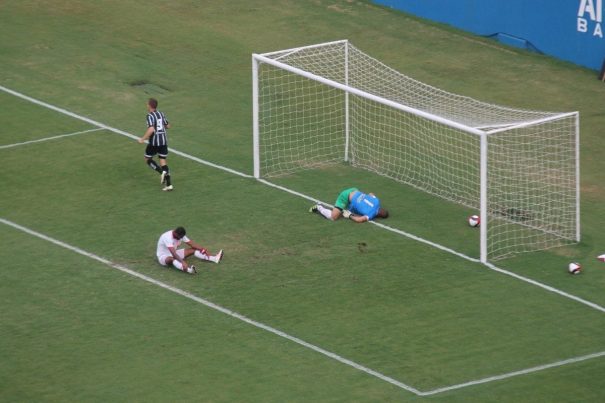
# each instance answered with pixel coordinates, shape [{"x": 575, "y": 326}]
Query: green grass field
[{"x": 75, "y": 329}]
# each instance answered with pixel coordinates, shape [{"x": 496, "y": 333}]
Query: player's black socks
[
  {"x": 167, "y": 178},
  {"x": 154, "y": 166}
]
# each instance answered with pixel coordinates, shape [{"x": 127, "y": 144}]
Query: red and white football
[
  {"x": 474, "y": 221},
  {"x": 574, "y": 268}
]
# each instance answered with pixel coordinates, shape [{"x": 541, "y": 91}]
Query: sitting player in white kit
[{"x": 169, "y": 254}]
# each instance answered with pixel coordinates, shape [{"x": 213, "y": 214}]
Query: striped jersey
[{"x": 158, "y": 121}]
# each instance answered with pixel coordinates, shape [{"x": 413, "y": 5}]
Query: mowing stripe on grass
[
  {"x": 395, "y": 230},
  {"x": 50, "y": 138},
  {"x": 212, "y": 306},
  {"x": 496, "y": 268},
  {"x": 294, "y": 339},
  {"x": 453, "y": 252},
  {"x": 113, "y": 129},
  {"x": 386, "y": 227}
]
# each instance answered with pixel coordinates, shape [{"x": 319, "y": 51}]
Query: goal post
[
  {"x": 331, "y": 103},
  {"x": 533, "y": 189},
  {"x": 255, "y": 117}
]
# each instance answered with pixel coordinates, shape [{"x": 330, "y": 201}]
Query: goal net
[{"x": 328, "y": 103}]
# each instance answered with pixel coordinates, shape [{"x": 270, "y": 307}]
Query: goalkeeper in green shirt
[{"x": 351, "y": 203}]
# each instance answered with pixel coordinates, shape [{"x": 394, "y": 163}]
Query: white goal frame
[{"x": 482, "y": 132}]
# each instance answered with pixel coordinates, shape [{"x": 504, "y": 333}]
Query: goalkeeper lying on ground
[{"x": 353, "y": 204}]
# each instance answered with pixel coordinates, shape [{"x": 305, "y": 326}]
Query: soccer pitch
[{"x": 301, "y": 309}]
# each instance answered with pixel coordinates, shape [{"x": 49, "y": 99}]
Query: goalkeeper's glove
[{"x": 346, "y": 213}]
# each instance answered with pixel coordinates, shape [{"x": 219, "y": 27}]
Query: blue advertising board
[{"x": 571, "y": 30}]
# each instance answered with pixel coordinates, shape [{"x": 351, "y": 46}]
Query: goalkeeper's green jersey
[{"x": 342, "y": 202}]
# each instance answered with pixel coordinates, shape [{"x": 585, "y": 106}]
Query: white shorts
[{"x": 162, "y": 258}]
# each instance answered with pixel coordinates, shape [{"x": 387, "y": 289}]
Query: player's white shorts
[{"x": 162, "y": 258}]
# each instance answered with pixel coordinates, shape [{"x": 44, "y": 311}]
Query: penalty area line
[
  {"x": 241, "y": 174},
  {"x": 50, "y": 138},
  {"x": 214, "y": 306},
  {"x": 515, "y": 373}
]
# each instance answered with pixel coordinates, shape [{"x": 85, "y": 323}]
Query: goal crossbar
[{"x": 263, "y": 58}]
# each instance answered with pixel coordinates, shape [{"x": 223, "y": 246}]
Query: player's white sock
[
  {"x": 201, "y": 255},
  {"x": 326, "y": 212},
  {"x": 177, "y": 264}
]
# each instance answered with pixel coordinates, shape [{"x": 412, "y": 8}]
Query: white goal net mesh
[
  {"x": 301, "y": 121},
  {"x": 325, "y": 104},
  {"x": 532, "y": 187}
]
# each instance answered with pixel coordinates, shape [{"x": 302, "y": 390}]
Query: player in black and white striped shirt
[{"x": 156, "y": 133}]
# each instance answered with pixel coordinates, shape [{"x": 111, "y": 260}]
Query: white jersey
[{"x": 166, "y": 241}]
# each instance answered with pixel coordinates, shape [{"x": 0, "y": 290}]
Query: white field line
[
  {"x": 546, "y": 287},
  {"x": 515, "y": 373},
  {"x": 49, "y": 138},
  {"x": 212, "y": 306},
  {"x": 386, "y": 227},
  {"x": 226, "y": 311}
]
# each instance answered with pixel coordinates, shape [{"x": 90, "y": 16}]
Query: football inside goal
[{"x": 331, "y": 103}]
